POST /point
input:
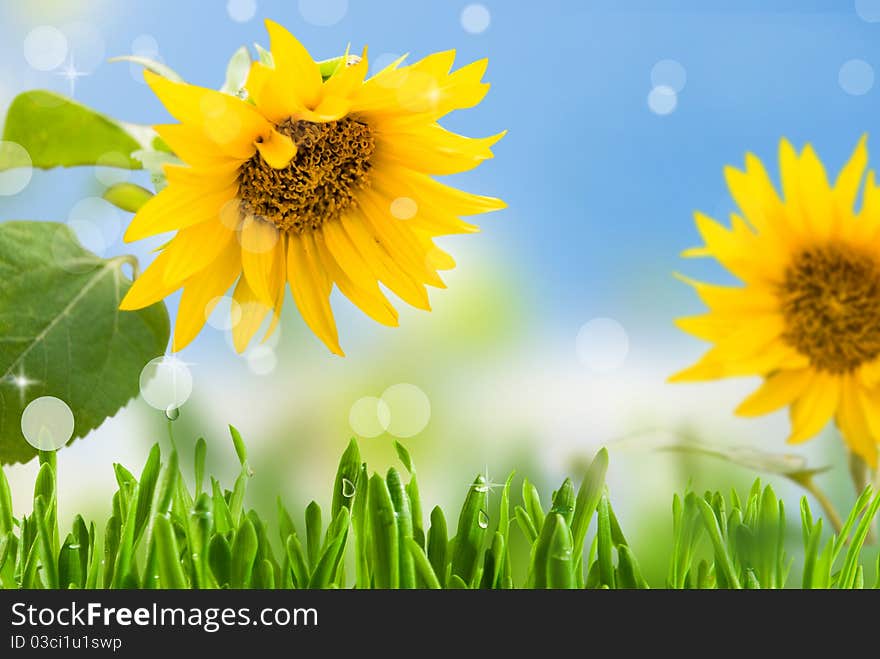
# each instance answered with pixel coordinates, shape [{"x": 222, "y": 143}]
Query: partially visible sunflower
[
  {"x": 310, "y": 182},
  {"x": 807, "y": 318}
]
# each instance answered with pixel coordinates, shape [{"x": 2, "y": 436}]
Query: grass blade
[
  {"x": 384, "y": 535},
  {"x": 471, "y": 532}
]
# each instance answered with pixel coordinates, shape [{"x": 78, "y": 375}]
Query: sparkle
[
  {"x": 70, "y": 73},
  {"x": 21, "y": 382},
  {"x": 488, "y": 484}
]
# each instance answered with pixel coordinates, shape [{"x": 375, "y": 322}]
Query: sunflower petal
[
  {"x": 778, "y": 390},
  {"x": 846, "y": 188},
  {"x": 253, "y": 312},
  {"x": 811, "y": 412},
  {"x": 368, "y": 299},
  {"x": 311, "y": 289},
  {"x": 227, "y": 121},
  {"x": 295, "y": 69},
  {"x": 853, "y": 421},
  {"x": 262, "y": 258},
  {"x": 276, "y": 149},
  {"x": 200, "y": 290},
  {"x": 175, "y": 208}
]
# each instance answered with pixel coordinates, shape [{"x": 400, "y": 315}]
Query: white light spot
[
  {"x": 602, "y": 345},
  {"x": 261, "y": 360},
  {"x": 166, "y": 382},
  {"x": 856, "y": 77},
  {"x": 96, "y": 222},
  {"x": 475, "y": 19},
  {"x": 241, "y": 11},
  {"x": 86, "y": 45},
  {"x": 257, "y": 236},
  {"x": 45, "y": 47},
  {"x": 662, "y": 100},
  {"x": 145, "y": 45},
  {"x": 12, "y": 181},
  {"x": 323, "y": 12},
  {"x": 89, "y": 236},
  {"x": 669, "y": 73},
  {"x": 223, "y": 313},
  {"x": 112, "y": 168},
  {"x": 369, "y": 417},
  {"x": 47, "y": 423},
  {"x": 404, "y": 208},
  {"x": 868, "y": 10},
  {"x": 410, "y": 409}
]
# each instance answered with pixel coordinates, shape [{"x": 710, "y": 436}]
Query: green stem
[{"x": 131, "y": 259}]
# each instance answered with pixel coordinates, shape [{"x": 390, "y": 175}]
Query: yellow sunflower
[
  {"x": 807, "y": 317},
  {"x": 310, "y": 182}
]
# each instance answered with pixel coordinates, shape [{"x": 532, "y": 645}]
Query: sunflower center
[
  {"x": 831, "y": 305},
  {"x": 332, "y": 163}
]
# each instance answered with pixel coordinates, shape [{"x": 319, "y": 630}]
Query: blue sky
[{"x": 600, "y": 189}]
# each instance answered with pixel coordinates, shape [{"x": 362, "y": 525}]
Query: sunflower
[
  {"x": 313, "y": 182},
  {"x": 807, "y": 315}
]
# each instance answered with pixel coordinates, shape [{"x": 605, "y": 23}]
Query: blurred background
[{"x": 555, "y": 335}]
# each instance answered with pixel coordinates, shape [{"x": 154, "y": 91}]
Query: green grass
[{"x": 161, "y": 534}]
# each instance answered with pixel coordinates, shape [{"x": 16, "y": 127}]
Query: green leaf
[
  {"x": 298, "y": 563},
  {"x": 383, "y": 533},
  {"x": 532, "y": 503},
  {"x": 322, "y": 576},
  {"x": 346, "y": 477},
  {"x": 201, "y": 452},
  {"x": 127, "y": 196},
  {"x": 151, "y": 65},
  {"x": 563, "y": 501},
  {"x": 6, "y": 520},
  {"x": 402, "y": 509},
  {"x": 146, "y": 491},
  {"x": 438, "y": 542},
  {"x": 313, "y": 532},
  {"x": 723, "y": 560},
  {"x": 237, "y": 71},
  {"x": 220, "y": 560},
  {"x": 587, "y": 499},
  {"x": 423, "y": 565},
  {"x": 471, "y": 531},
  {"x": 526, "y": 525},
  {"x": 244, "y": 552},
  {"x": 59, "y": 132},
  {"x": 560, "y": 566},
  {"x": 238, "y": 443},
  {"x": 62, "y": 329},
  {"x": 44, "y": 544},
  {"x": 405, "y": 457},
  {"x": 170, "y": 571},
  {"x": 605, "y": 543}
]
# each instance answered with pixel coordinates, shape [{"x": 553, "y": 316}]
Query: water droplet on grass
[
  {"x": 173, "y": 413},
  {"x": 348, "y": 488},
  {"x": 483, "y": 520}
]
